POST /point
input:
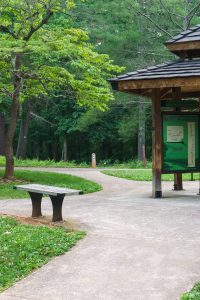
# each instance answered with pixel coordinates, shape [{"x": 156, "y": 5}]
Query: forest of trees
[{"x": 70, "y": 121}]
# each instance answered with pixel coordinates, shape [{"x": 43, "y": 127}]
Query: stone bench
[{"x": 56, "y": 194}]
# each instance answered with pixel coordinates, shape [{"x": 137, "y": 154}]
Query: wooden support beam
[
  {"x": 184, "y": 95},
  {"x": 145, "y": 92},
  {"x": 167, "y": 95},
  {"x": 156, "y": 143},
  {"x": 165, "y": 92},
  {"x": 178, "y": 177},
  {"x": 184, "y": 46},
  {"x": 178, "y": 182},
  {"x": 176, "y": 93},
  {"x": 141, "y": 84}
]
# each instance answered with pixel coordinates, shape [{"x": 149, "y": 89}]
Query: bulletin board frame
[{"x": 180, "y": 142}]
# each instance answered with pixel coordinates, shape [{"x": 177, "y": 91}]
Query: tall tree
[
  {"x": 19, "y": 22},
  {"x": 128, "y": 39},
  {"x": 37, "y": 57},
  {"x": 23, "y": 133}
]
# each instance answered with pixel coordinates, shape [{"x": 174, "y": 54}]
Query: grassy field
[
  {"x": 44, "y": 163},
  {"x": 143, "y": 175},
  {"x": 131, "y": 164},
  {"x": 55, "y": 179},
  {"x": 25, "y": 248}
]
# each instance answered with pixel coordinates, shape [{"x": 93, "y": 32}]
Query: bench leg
[
  {"x": 36, "y": 204},
  {"x": 57, "y": 202}
]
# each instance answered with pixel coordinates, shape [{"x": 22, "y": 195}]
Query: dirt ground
[{"x": 43, "y": 221}]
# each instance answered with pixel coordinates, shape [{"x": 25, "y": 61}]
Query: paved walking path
[{"x": 137, "y": 248}]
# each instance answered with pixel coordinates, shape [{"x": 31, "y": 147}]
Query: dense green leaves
[
  {"x": 39, "y": 58},
  {"x": 56, "y": 58},
  {"x": 21, "y": 19},
  {"x": 65, "y": 68}
]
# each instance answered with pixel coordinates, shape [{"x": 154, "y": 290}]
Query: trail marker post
[{"x": 94, "y": 163}]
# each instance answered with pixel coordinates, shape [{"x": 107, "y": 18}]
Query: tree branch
[
  {"x": 41, "y": 118},
  {"x": 7, "y": 30},
  {"x": 192, "y": 13},
  {"x": 153, "y": 22},
  {"x": 34, "y": 29},
  {"x": 47, "y": 89},
  {"x": 6, "y": 91},
  {"x": 170, "y": 15},
  {"x": 194, "y": 10}
]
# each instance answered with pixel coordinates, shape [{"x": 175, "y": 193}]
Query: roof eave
[{"x": 185, "y": 49}]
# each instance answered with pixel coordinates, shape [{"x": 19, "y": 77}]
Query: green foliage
[
  {"x": 115, "y": 28},
  {"x": 24, "y": 17},
  {"x": 110, "y": 163},
  {"x": 70, "y": 71},
  {"x": 40, "y": 57},
  {"x": 45, "y": 163},
  {"x": 122, "y": 29},
  {"x": 55, "y": 58},
  {"x": 131, "y": 164},
  {"x": 194, "y": 294},
  {"x": 144, "y": 175},
  {"x": 25, "y": 248},
  {"x": 47, "y": 178}
]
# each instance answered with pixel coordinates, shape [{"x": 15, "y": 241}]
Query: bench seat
[{"x": 56, "y": 194}]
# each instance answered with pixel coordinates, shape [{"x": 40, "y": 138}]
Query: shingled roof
[
  {"x": 167, "y": 75},
  {"x": 185, "y": 68},
  {"x": 186, "y": 44},
  {"x": 192, "y": 34},
  {"x": 183, "y": 74}
]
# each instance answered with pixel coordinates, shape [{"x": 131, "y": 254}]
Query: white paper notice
[
  {"x": 191, "y": 144},
  {"x": 175, "y": 134}
]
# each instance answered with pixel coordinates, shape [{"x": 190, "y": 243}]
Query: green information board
[{"x": 181, "y": 143}]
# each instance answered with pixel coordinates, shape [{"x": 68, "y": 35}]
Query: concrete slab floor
[{"x": 137, "y": 248}]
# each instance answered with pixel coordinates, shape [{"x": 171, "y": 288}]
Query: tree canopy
[
  {"x": 65, "y": 50},
  {"x": 41, "y": 55}
]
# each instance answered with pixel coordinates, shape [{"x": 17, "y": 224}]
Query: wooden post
[
  {"x": 156, "y": 144},
  {"x": 94, "y": 163},
  {"x": 178, "y": 182},
  {"x": 178, "y": 177}
]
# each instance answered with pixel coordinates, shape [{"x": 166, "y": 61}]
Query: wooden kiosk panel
[{"x": 180, "y": 143}]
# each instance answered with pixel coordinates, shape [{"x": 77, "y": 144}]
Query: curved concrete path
[{"x": 137, "y": 248}]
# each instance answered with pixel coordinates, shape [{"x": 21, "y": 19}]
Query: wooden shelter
[{"x": 172, "y": 81}]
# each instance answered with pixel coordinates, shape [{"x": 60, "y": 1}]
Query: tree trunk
[
  {"x": 141, "y": 132},
  {"x": 186, "y": 18},
  {"x": 2, "y": 135},
  {"x": 141, "y": 113},
  {"x": 22, "y": 140},
  {"x": 9, "y": 171},
  {"x": 54, "y": 148},
  {"x": 65, "y": 149}
]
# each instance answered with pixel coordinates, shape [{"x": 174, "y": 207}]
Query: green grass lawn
[
  {"x": 194, "y": 294},
  {"x": 143, "y": 175},
  {"x": 61, "y": 180},
  {"x": 131, "y": 164},
  {"x": 25, "y": 248},
  {"x": 44, "y": 163}
]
